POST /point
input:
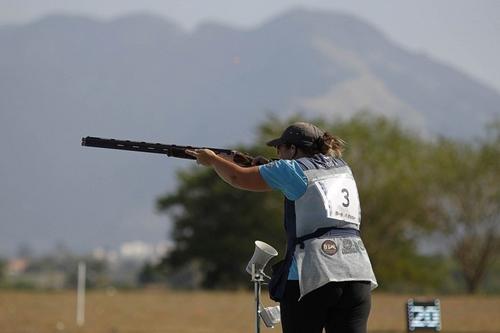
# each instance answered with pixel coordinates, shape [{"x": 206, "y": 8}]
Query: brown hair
[{"x": 328, "y": 144}]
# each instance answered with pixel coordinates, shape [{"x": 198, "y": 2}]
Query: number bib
[{"x": 340, "y": 198}]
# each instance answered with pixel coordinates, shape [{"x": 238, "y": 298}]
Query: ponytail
[
  {"x": 328, "y": 144},
  {"x": 331, "y": 145}
]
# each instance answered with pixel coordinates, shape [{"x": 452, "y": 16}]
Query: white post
[{"x": 80, "y": 296}]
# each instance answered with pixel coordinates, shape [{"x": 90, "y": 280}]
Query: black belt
[{"x": 332, "y": 231}]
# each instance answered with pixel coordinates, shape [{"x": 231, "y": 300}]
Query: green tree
[
  {"x": 468, "y": 191},
  {"x": 216, "y": 225},
  {"x": 149, "y": 274},
  {"x": 2, "y": 269}
]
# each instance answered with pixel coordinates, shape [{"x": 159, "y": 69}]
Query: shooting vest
[{"x": 322, "y": 229}]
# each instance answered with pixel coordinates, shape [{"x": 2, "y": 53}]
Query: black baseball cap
[{"x": 299, "y": 134}]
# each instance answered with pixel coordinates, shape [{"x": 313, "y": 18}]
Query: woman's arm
[{"x": 233, "y": 174}]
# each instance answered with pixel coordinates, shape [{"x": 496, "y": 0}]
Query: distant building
[{"x": 17, "y": 266}]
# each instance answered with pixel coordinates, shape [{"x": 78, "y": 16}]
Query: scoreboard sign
[{"x": 423, "y": 315}]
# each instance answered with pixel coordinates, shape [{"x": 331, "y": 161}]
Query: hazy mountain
[{"x": 142, "y": 77}]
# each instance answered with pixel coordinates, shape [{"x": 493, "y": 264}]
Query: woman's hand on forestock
[{"x": 203, "y": 156}]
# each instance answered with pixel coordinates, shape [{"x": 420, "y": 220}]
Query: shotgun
[{"x": 159, "y": 148}]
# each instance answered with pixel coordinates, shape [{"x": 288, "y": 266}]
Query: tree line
[{"x": 430, "y": 210}]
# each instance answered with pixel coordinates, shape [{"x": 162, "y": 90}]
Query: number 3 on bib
[{"x": 340, "y": 198}]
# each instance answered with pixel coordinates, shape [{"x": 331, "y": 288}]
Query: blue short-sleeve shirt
[{"x": 286, "y": 176}]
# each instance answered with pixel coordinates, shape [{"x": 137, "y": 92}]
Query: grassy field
[{"x": 163, "y": 311}]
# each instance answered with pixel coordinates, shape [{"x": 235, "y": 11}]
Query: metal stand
[
  {"x": 255, "y": 267},
  {"x": 257, "y": 279}
]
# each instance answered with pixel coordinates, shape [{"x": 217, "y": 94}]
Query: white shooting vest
[{"x": 331, "y": 201}]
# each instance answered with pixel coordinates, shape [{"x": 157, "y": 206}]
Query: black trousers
[{"x": 338, "y": 307}]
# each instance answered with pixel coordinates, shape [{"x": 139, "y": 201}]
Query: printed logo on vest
[
  {"x": 350, "y": 246},
  {"x": 329, "y": 247}
]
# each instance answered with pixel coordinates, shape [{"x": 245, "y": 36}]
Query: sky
[{"x": 461, "y": 33}]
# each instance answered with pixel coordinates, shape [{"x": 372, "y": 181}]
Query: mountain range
[{"x": 141, "y": 77}]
